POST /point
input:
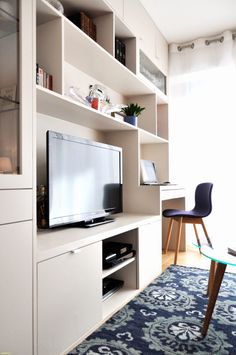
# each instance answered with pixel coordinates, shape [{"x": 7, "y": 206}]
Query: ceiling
[{"x": 184, "y": 20}]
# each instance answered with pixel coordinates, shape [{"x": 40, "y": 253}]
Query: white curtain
[{"x": 202, "y": 132}]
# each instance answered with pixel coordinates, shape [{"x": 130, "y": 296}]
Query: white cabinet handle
[{"x": 75, "y": 251}]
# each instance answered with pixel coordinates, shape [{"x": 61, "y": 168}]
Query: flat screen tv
[{"x": 84, "y": 180}]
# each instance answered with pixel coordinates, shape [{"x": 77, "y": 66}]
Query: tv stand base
[{"x": 97, "y": 222}]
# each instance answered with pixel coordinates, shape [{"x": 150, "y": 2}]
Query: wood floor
[{"x": 191, "y": 257}]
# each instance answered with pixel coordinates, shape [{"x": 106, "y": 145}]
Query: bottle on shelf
[{"x": 42, "y": 206}]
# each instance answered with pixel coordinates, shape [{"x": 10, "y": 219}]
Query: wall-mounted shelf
[
  {"x": 113, "y": 269},
  {"x": 56, "y": 105},
  {"x": 149, "y": 138},
  {"x": 98, "y": 63}
]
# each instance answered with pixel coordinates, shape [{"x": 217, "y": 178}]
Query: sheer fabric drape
[{"x": 202, "y": 133}]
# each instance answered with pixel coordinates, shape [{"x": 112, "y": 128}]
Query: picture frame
[{"x": 148, "y": 172}]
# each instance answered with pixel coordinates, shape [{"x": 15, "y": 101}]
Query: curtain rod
[
  {"x": 191, "y": 45},
  {"x": 209, "y": 41}
]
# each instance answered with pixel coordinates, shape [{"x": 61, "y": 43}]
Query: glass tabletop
[{"x": 219, "y": 254}]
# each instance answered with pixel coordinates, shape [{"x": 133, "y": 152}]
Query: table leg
[
  {"x": 211, "y": 277},
  {"x": 219, "y": 274}
]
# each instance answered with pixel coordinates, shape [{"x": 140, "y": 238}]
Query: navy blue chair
[{"x": 202, "y": 209}]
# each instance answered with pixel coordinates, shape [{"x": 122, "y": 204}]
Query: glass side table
[{"x": 220, "y": 258}]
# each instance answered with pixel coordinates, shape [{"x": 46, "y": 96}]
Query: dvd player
[
  {"x": 115, "y": 250},
  {"x": 110, "y": 286}
]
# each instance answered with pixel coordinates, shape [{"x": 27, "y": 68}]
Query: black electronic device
[
  {"x": 84, "y": 180},
  {"x": 108, "y": 263},
  {"x": 110, "y": 286},
  {"x": 116, "y": 252}
]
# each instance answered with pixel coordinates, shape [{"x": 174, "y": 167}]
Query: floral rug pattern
[{"x": 166, "y": 318}]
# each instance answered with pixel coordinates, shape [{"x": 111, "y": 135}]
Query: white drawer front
[
  {"x": 169, "y": 194},
  {"x": 15, "y": 206}
]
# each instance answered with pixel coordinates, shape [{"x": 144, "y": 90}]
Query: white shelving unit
[{"x": 74, "y": 59}]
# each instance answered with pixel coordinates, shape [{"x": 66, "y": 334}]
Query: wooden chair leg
[
  {"x": 168, "y": 235},
  {"x": 178, "y": 240},
  {"x": 196, "y": 233},
  {"x": 205, "y": 231}
]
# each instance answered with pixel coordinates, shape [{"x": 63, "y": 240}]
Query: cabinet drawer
[
  {"x": 15, "y": 205},
  {"x": 69, "y": 298}
]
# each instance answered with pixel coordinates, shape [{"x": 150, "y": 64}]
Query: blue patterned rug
[{"x": 166, "y": 318}]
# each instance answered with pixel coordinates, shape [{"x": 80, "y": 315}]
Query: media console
[{"x": 92, "y": 293}]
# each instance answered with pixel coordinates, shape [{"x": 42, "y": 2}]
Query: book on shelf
[
  {"x": 92, "y": 30},
  {"x": 120, "y": 51},
  {"x": 43, "y": 78},
  {"x": 85, "y": 23}
]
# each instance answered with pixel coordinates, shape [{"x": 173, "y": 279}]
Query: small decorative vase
[{"x": 131, "y": 120}]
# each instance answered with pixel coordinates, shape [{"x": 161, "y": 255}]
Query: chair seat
[{"x": 171, "y": 213}]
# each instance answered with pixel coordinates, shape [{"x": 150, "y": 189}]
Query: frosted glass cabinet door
[
  {"x": 16, "y": 31},
  {"x": 69, "y": 298},
  {"x": 16, "y": 288}
]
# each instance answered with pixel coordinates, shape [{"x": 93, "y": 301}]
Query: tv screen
[{"x": 84, "y": 180}]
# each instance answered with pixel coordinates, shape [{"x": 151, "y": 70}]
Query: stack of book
[
  {"x": 120, "y": 51},
  {"x": 85, "y": 23},
  {"x": 43, "y": 78}
]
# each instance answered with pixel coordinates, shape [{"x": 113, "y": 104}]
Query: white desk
[{"x": 172, "y": 196}]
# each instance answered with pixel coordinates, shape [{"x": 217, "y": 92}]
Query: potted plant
[{"x": 131, "y": 112}]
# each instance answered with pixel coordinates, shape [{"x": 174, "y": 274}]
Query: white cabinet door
[
  {"x": 16, "y": 288},
  {"x": 118, "y": 7},
  {"x": 69, "y": 298},
  {"x": 149, "y": 253},
  {"x": 150, "y": 40}
]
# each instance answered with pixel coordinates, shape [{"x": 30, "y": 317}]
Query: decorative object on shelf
[
  {"x": 97, "y": 96},
  {"x": 8, "y": 98},
  {"x": 57, "y": 4},
  {"x": 5, "y": 165},
  {"x": 132, "y": 111},
  {"x": 77, "y": 94},
  {"x": 42, "y": 207},
  {"x": 85, "y": 23},
  {"x": 97, "y": 99}
]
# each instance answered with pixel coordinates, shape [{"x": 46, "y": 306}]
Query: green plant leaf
[{"x": 132, "y": 109}]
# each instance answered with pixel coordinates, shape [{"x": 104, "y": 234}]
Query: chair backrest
[{"x": 203, "y": 203}]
